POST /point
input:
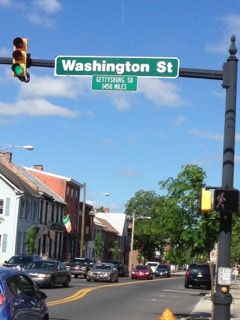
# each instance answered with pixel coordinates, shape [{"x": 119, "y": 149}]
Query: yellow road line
[{"x": 83, "y": 292}]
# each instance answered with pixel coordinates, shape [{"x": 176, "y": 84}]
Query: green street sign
[
  {"x": 116, "y": 66},
  {"x": 118, "y": 83}
]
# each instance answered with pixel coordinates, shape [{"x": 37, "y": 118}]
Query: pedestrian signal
[{"x": 226, "y": 200}]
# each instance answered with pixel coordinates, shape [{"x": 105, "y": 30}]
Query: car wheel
[
  {"x": 51, "y": 283},
  {"x": 75, "y": 276},
  {"x": 66, "y": 283},
  {"x": 186, "y": 285},
  {"x": 88, "y": 280}
]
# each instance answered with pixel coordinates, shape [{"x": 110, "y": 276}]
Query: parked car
[
  {"x": 119, "y": 265},
  {"x": 21, "y": 261},
  {"x": 142, "y": 272},
  {"x": 48, "y": 273},
  {"x": 163, "y": 270},
  {"x": 198, "y": 275},
  {"x": 153, "y": 265},
  {"x": 103, "y": 272},
  {"x": 79, "y": 267},
  {"x": 20, "y": 297}
]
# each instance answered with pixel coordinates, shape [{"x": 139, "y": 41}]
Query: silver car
[{"x": 103, "y": 272}]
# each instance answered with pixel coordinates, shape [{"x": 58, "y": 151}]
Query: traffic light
[
  {"x": 206, "y": 201},
  {"x": 20, "y": 59}
]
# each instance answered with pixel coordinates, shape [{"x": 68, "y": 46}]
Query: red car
[{"x": 142, "y": 272}]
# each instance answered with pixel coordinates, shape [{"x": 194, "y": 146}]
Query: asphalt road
[{"x": 126, "y": 300}]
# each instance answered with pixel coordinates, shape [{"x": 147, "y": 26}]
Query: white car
[{"x": 153, "y": 265}]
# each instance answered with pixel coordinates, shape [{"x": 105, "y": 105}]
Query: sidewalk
[{"x": 204, "y": 308}]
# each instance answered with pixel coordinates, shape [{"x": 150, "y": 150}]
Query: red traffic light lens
[{"x": 19, "y": 43}]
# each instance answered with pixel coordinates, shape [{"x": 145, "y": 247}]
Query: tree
[
  {"x": 235, "y": 250},
  {"x": 115, "y": 250},
  {"x": 99, "y": 245},
  {"x": 190, "y": 234},
  {"x": 31, "y": 239},
  {"x": 143, "y": 204}
]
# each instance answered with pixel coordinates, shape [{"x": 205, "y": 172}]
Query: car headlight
[
  {"x": 90, "y": 273},
  {"x": 43, "y": 275},
  {"x": 106, "y": 274}
]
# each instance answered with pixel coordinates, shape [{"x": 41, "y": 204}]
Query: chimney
[
  {"x": 6, "y": 156},
  {"x": 38, "y": 167}
]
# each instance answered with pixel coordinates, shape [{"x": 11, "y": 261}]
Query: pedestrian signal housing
[
  {"x": 226, "y": 200},
  {"x": 206, "y": 201}
]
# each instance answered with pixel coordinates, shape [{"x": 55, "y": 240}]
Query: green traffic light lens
[{"x": 18, "y": 70}]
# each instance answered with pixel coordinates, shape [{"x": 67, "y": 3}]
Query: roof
[
  {"x": 42, "y": 188},
  {"x": 116, "y": 220},
  {"x": 108, "y": 226},
  {"x": 56, "y": 176},
  {"x": 12, "y": 175}
]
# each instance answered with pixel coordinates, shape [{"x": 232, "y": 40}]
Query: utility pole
[
  {"x": 222, "y": 298},
  {"x": 83, "y": 219}
]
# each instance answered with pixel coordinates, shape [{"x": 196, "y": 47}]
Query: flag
[{"x": 67, "y": 223}]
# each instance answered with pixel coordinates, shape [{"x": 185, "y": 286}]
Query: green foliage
[
  {"x": 115, "y": 250},
  {"x": 31, "y": 239},
  {"x": 235, "y": 248},
  {"x": 99, "y": 245},
  {"x": 176, "y": 229}
]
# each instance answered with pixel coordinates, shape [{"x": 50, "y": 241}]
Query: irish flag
[{"x": 67, "y": 223}]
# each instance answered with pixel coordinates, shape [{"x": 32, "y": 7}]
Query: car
[
  {"x": 21, "y": 261},
  {"x": 153, "y": 265},
  {"x": 163, "y": 270},
  {"x": 48, "y": 273},
  {"x": 119, "y": 265},
  {"x": 198, "y": 275},
  {"x": 103, "y": 272},
  {"x": 142, "y": 272},
  {"x": 79, "y": 267},
  {"x": 20, "y": 297}
]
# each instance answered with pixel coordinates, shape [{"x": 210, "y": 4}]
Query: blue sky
[{"x": 118, "y": 142}]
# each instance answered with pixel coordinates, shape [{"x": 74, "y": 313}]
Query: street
[{"x": 128, "y": 299}]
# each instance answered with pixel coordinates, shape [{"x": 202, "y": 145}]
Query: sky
[{"x": 118, "y": 142}]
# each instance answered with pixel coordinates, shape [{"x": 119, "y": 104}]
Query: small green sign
[{"x": 118, "y": 83}]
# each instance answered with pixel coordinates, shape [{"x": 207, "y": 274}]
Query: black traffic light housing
[{"x": 226, "y": 200}]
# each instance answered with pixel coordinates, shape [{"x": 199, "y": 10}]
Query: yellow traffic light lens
[
  {"x": 17, "y": 55},
  {"x": 18, "y": 69}
]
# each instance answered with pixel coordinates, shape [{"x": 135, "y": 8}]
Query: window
[
  {"x": 1, "y": 206},
  {"x": 22, "y": 209},
  {"x": 21, "y": 285}
]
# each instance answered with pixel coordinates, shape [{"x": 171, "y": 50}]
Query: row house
[
  {"x": 25, "y": 202},
  {"x": 69, "y": 190}
]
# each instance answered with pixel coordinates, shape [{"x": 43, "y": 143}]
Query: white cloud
[
  {"x": 232, "y": 26},
  {"x": 207, "y": 135},
  {"x": 127, "y": 172},
  {"x": 161, "y": 93},
  {"x": 5, "y": 3},
  {"x": 35, "y": 108},
  {"x": 47, "y": 86},
  {"x": 36, "y": 19},
  {"x": 49, "y": 6},
  {"x": 5, "y": 52},
  {"x": 180, "y": 120}
]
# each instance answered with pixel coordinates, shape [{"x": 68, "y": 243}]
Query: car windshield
[
  {"x": 141, "y": 268},
  {"x": 162, "y": 267},
  {"x": 152, "y": 264},
  {"x": 16, "y": 260},
  {"x": 47, "y": 265},
  {"x": 102, "y": 266}
]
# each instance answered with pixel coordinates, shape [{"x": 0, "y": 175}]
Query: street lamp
[
  {"x": 132, "y": 237},
  {"x": 8, "y": 146},
  {"x": 84, "y": 186}
]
